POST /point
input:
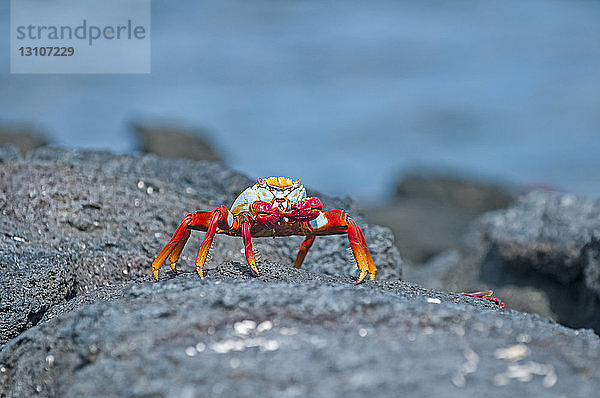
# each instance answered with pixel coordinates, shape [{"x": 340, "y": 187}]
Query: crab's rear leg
[
  {"x": 487, "y": 295},
  {"x": 199, "y": 220},
  {"x": 333, "y": 222},
  {"x": 306, "y": 244},
  {"x": 174, "y": 247}
]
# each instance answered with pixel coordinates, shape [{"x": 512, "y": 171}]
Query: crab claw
[
  {"x": 266, "y": 214},
  {"x": 306, "y": 209}
]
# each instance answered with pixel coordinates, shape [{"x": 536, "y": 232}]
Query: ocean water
[{"x": 349, "y": 95}]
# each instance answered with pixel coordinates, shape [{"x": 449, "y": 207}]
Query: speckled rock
[
  {"x": 83, "y": 317},
  {"x": 79, "y": 220},
  {"x": 294, "y": 333},
  {"x": 543, "y": 253}
]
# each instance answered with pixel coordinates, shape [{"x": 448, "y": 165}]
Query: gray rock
[
  {"x": 84, "y": 317},
  {"x": 548, "y": 232},
  {"x": 430, "y": 214},
  {"x": 176, "y": 143},
  {"x": 102, "y": 218},
  {"x": 294, "y": 333},
  {"x": 543, "y": 252},
  {"x": 23, "y": 138},
  {"x": 471, "y": 196},
  {"x": 9, "y": 153}
]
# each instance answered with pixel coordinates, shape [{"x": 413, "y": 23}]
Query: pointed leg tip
[
  {"x": 361, "y": 277},
  {"x": 200, "y": 272},
  {"x": 155, "y": 274},
  {"x": 174, "y": 267}
]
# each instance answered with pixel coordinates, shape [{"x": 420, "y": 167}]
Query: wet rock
[
  {"x": 430, "y": 214},
  {"x": 176, "y": 143}
]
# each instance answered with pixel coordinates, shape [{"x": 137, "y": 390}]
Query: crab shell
[{"x": 281, "y": 192}]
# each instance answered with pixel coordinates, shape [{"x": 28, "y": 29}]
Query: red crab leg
[
  {"x": 174, "y": 256},
  {"x": 178, "y": 240},
  {"x": 338, "y": 222},
  {"x": 247, "y": 238},
  {"x": 199, "y": 220},
  {"x": 364, "y": 261},
  {"x": 306, "y": 244},
  {"x": 488, "y": 296},
  {"x": 207, "y": 242}
]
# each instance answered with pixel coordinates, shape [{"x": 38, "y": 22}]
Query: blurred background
[{"x": 348, "y": 96}]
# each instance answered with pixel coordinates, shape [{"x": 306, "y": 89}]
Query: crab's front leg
[
  {"x": 264, "y": 214},
  {"x": 247, "y": 239},
  {"x": 334, "y": 222}
]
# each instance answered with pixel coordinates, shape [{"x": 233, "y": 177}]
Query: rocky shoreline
[{"x": 81, "y": 316}]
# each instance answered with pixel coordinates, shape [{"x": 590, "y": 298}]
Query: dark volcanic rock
[
  {"x": 429, "y": 215},
  {"x": 176, "y": 143},
  {"x": 294, "y": 333},
  {"x": 81, "y": 220},
  {"x": 84, "y": 317},
  {"x": 554, "y": 234},
  {"x": 548, "y": 242}
]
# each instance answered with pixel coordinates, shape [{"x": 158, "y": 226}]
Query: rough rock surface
[
  {"x": 542, "y": 254},
  {"x": 430, "y": 214},
  {"x": 82, "y": 316},
  {"x": 72, "y": 221}
]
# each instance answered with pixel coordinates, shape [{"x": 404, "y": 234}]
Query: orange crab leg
[
  {"x": 364, "y": 261},
  {"x": 247, "y": 239},
  {"x": 176, "y": 252},
  {"x": 306, "y": 244},
  {"x": 207, "y": 242},
  {"x": 338, "y": 222},
  {"x": 199, "y": 220},
  {"x": 179, "y": 239}
]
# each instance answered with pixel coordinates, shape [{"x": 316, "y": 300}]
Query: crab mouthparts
[{"x": 281, "y": 204}]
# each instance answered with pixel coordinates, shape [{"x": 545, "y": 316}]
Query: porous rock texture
[
  {"x": 547, "y": 243},
  {"x": 81, "y": 315}
]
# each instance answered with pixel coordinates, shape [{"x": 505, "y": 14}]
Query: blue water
[{"x": 348, "y": 95}]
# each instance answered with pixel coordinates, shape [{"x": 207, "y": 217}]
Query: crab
[{"x": 274, "y": 206}]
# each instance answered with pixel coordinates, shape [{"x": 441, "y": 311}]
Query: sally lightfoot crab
[{"x": 274, "y": 206}]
